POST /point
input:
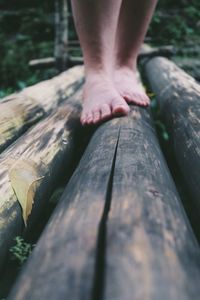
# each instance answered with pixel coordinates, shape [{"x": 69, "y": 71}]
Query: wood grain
[{"x": 20, "y": 111}]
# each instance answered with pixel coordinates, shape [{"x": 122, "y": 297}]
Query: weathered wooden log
[
  {"x": 32, "y": 167},
  {"x": 20, "y": 111},
  {"x": 150, "y": 243},
  {"x": 16, "y": 116},
  {"x": 120, "y": 231},
  {"x": 179, "y": 99}
]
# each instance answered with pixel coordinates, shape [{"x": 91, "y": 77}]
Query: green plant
[
  {"x": 21, "y": 250},
  {"x": 160, "y": 126}
]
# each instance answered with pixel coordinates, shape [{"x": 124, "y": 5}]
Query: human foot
[
  {"x": 101, "y": 101},
  {"x": 128, "y": 86}
]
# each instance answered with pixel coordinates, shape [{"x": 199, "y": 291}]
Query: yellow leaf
[{"x": 25, "y": 176}]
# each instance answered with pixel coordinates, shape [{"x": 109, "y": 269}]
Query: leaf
[{"x": 25, "y": 176}]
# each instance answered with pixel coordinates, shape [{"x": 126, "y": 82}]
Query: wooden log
[
  {"x": 120, "y": 231},
  {"x": 32, "y": 167},
  {"x": 20, "y": 111},
  {"x": 16, "y": 116},
  {"x": 75, "y": 224},
  {"x": 150, "y": 244},
  {"x": 178, "y": 95}
]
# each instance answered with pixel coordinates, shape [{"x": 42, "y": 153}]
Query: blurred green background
[{"x": 27, "y": 32}]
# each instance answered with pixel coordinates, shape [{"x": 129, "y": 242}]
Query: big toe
[
  {"x": 120, "y": 107},
  {"x": 137, "y": 98},
  {"x": 105, "y": 112}
]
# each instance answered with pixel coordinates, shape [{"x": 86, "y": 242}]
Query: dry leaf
[{"x": 24, "y": 176}]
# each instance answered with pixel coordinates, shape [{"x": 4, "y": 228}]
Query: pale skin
[{"x": 111, "y": 33}]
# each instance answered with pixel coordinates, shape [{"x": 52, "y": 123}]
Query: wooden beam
[
  {"x": 178, "y": 95},
  {"x": 21, "y": 110},
  {"x": 119, "y": 231}
]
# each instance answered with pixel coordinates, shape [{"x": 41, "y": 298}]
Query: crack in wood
[{"x": 99, "y": 274}]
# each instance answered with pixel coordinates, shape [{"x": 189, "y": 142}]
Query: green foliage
[
  {"x": 160, "y": 126},
  {"x": 27, "y": 32},
  {"x": 175, "y": 22},
  {"x": 21, "y": 250}
]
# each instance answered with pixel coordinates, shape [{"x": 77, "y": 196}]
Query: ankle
[
  {"x": 95, "y": 75},
  {"x": 98, "y": 69},
  {"x": 128, "y": 65},
  {"x": 126, "y": 69}
]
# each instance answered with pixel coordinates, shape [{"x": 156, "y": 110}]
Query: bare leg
[
  {"x": 96, "y": 23},
  {"x": 134, "y": 19}
]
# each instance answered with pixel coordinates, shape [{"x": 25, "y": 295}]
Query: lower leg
[
  {"x": 96, "y": 22},
  {"x": 135, "y": 16}
]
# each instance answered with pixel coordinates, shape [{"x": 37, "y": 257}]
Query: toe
[
  {"x": 89, "y": 118},
  {"x": 120, "y": 107},
  {"x": 139, "y": 99},
  {"x": 144, "y": 100},
  {"x": 96, "y": 116},
  {"x": 105, "y": 112},
  {"x": 83, "y": 118}
]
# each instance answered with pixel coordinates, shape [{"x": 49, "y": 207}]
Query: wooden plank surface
[
  {"x": 44, "y": 154},
  {"x": 178, "y": 95},
  {"x": 120, "y": 231},
  {"x": 20, "y": 111}
]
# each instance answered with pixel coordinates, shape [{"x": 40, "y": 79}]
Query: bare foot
[
  {"x": 129, "y": 88},
  {"x": 101, "y": 101}
]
